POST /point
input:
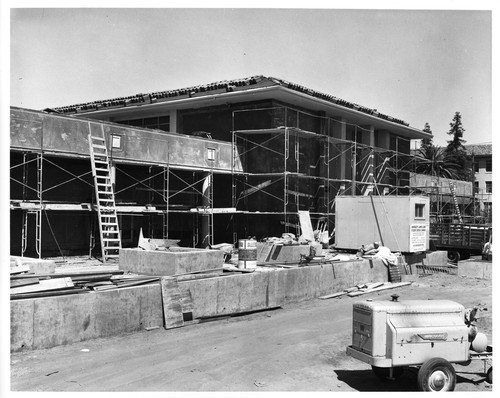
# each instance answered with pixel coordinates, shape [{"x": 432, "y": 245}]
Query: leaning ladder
[
  {"x": 455, "y": 201},
  {"x": 105, "y": 198}
]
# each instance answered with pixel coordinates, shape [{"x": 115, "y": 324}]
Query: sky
[{"x": 420, "y": 66}]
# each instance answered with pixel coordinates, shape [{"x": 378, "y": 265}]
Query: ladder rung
[
  {"x": 95, "y": 137},
  {"x": 111, "y": 239},
  {"x": 97, "y": 146},
  {"x": 104, "y": 161},
  {"x": 101, "y": 169}
]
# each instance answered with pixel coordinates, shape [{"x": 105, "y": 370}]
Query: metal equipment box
[
  {"x": 400, "y": 223},
  {"x": 403, "y": 333}
]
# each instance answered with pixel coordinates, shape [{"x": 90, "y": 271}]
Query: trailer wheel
[
  {"x": 453, "y": 256},
  {"x": 437, "y": 374},
  {"x": 384, "y": 373},
  {"x": 489, "y": 375}
]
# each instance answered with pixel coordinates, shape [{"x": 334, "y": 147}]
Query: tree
[
  {"x": 435, "y": 161},
  {"x": 456, "y": 145},
  {"x": 426, "y": 142},
  {"x": 457, "y": 150}
]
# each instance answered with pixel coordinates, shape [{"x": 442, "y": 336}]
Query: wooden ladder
[
  {"x": 108, "y": 220},
  {"x": 455, "y": 201}
]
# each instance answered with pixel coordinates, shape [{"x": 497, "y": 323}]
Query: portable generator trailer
[{"x": 429, "y": 334}]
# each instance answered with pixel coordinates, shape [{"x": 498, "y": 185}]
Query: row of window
[
  {"x": 489, "y": 187},
  {"x": 156, "y": 122},
  {"x": 489, "y": 165}
]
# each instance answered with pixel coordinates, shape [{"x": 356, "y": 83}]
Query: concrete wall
[
  {"x": 174, "y": 262},
  {"x": 260, "y": 290},
  {"x": 424, "y": 181},
  {"x": 475, "y": 269},
  {"x": 52, "y": 321},
  {"x": 32, "y": 130}
]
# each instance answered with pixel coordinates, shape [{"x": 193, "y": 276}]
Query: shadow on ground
[{"x": 365, "y": 380}]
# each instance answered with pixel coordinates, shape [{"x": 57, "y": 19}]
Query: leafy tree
[
  {"x": 426, "y": 142},
  {"x": 435, "y": 161}
]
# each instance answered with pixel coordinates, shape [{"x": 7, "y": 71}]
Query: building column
[{"x": 173, "y": 121}]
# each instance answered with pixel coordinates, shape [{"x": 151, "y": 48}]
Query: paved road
[{"x": 297, "y": 348}]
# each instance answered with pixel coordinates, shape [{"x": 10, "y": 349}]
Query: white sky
[{"x": 417, "y": 65}]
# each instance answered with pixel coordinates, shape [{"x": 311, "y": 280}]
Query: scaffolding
[
  {"x": 291, "y": 168},
  {"x": 47, "y": 183},
  {"x": 283, "y": 160}
]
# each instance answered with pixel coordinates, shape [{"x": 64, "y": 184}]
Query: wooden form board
[
  {"x": 19, "y": 269},
  {"x": 306, "y": 225},
  {"x": 43, "y": 285},
  {"x": 177, "y": 304}
]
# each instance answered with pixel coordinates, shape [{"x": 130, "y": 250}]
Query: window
[
  {"x": 476, "y": 186},
  {"x": 211, "y": 154},
  {"x": 489, "y": 186},
  {"x": 419, "y": 210},
  {"x": 488, "y": 164},
  {"x": 155, "y": 122},
  {"x": 116, "y": 141},
  {"x": 476, "y": 167}
]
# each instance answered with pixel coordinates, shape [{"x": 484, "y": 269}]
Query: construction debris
[
  {"x": 43, "y": 285},
  {"x": 387, "y": 285},
  {"x": 364, "y": 288}
]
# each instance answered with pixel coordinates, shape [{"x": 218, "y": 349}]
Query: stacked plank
[{"x": 70, "y": 280}]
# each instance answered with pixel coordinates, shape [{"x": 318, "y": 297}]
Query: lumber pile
[
  {"x": 365, "y": 288},
  {"x": 25, "y": 283}
]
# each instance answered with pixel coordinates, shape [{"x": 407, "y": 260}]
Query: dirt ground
[{"x": 300, "y": 347}]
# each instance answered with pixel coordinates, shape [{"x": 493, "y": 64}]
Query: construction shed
[
  {"x": 202, "y": 165},
  {"x": 400, "y": 223}
]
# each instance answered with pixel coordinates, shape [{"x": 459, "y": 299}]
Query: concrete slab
[
  {"x": 37, "y": 266},
  {"x": 475, "y": 269},
  {"x": 175, "y": 261}
]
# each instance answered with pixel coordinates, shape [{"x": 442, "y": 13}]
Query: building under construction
[{"x": 202, "y": 165}]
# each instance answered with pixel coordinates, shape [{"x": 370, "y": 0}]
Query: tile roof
[
  {"x": 479, "y": 149},
  {"x": 213, "y": 88}
]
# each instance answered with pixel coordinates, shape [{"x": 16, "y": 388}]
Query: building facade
[
  {"x": 483, "y": 176},
  {"x": 206, "y": 164}
]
